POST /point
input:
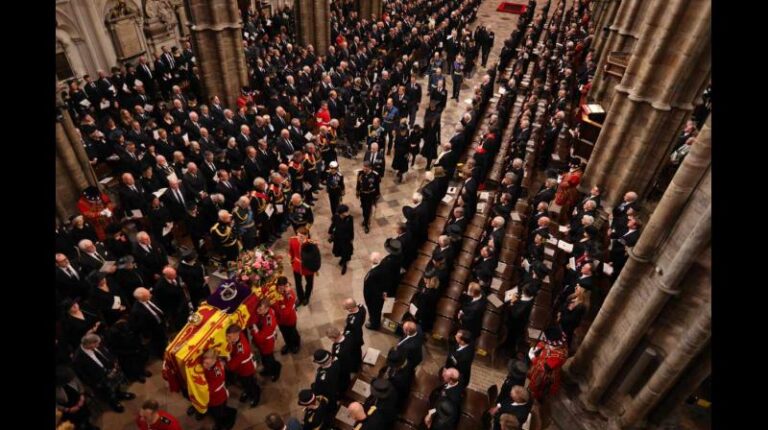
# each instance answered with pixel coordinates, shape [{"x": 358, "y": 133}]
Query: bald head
[
  {"x": 142, "y": 294},
  {"x": 375, "y": 258},
  {"x": 350, "y": 304}
]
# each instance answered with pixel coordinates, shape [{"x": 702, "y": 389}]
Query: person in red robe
[
  {"x": 323, "y": 115},
  {"x": 151, "y": 417},
  {"x": 285, "y": 310},
  {"x": 547, "y": 358},
  {"x": 97, "y": 209},
  {"x": 567, "y": 193}
]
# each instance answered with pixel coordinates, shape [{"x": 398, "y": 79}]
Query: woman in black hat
[
  {"x": 70, "y": 399},
  {"x": 116, "y": 242},
  {"x": 402, "y": 148},
  {"x": 192, "y": 272},
  {"x": 517, "y": 372},
  {"x": 77, "y": 322},
  {"x": 426, "y": 300},
  {"x": 106, "y": 299},
  {"x": 342, "y": 235}
]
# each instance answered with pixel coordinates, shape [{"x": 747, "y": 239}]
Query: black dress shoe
[
  {"x": 284, "y": 350},
  {"x": 117, "y": 407},
  {"x": 295, "y": 350},
  {"x": 276, "y": 376},
  {"x": 371, "y": 327},
  {"x": 243, "y": 397}
]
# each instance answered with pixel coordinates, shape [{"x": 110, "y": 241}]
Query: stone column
[
  {"x": 603, "y": 24},
  {"x": 695, "y": 340},
  {"x": 699, "y": 370},
  {"x": 71, "y": 175},
  {"x": 218, "y": 42},
  {"x": 624, "y": 32},
  {"x": 314, "y": 23},
  {"x": 668, "y": 67},
  {"x": 596, "y": 347},
  {"x": 365, "y": 9},
  {"x": 181, "y": 13}
]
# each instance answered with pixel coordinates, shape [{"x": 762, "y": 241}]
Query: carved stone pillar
[
  {"x": 624, "y": 32},
  {"x": 124, "y": 25},
  {"x": 73, "y": 172},
  {"x": 603, "y": 25},
  {"x": 314, "y": 23},
  {"x": 161, "y": 26},
  {"x": 181, "y": 16},
  {"x": 687, "y": 385},
  {"x": 669, "y": 66},
  {"x": 677, "y": 234},
  {"x": 217, "y": 36}
]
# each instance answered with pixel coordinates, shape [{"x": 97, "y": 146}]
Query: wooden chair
[
  {"x": 448, "y": 307},
  {"x": 486, "y": 347},
  {"x": 474, "y": 404},
  {"x": 442, "y": 329},
  {"x": 454, "y": 290},
  {"x": 405, "y": 293},
  {"x": 415, "y": 410}
]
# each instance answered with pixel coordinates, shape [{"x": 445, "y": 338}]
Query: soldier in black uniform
[
  {"x": 327, "y": 377},
  {"x": 335, "y": 183},
  {"x": 225, "y": 238},
  {"x": 343, "y": 349},
  {"x": 368, "y": 191},
  {"x": 299, "y": 213},
  {"x": 399, "y": 374},
  {"x": 318, "y": 413},
  {"x": 354, "y": 327}
]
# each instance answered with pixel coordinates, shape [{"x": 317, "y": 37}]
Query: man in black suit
[
  {"x": 92, "y": 257},
  {"x": 497, "y": 232},
  {"x": 129, "y": 159},
  {"x": 70, "y": 282},
  {"x": 619, "y": 213},
  {"x": 150, "y": 257},
  {"x": 411, "y": 344},
  {"x": 145, "y": 74},
  {"x": 287, "y": 144},
  {"x": 546, "y": 193},
  {"x": 98, "y": 369},
  {"x": 484, "y": 267},
  {"x": 225, "y": 187},
  {"x": 392, "y": 263},
  {"x": 209, "y": 168},
  {"x": 374, "y": 290},
  {"x": 344, "y": 350},
  {"x": 445, "y": 248},
  {"x": 194, "y": 182},
  {"x": 147, "y": 319},
  {"x": 461, "y": 355},
  {"x": 413, "y": 93},
  {"x": 619, "y": 244},
  {"x": 175, "y": 199},
  {"x": 375, "y": 156},
  {"x": 132, "y": 196},
  {"x": 458, "y": 219},
  {"x": 450, "y": 390},
  {"x": 171, "y": 296},
  {"x": 517, "y": 403},
  {"x": 353, "y": 327},
  {"x": 472, "y": 310}
]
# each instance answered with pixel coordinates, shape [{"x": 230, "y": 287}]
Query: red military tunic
[
  {"x": 285, "y": 309},
  {"x": 545, "y": 382},
  {"x": 294, "y": 251},
  {"x": 263, "y": 331},
  {"x": 165, "y": 421},
  {"x": 240, "y": 357},
  {"x": 217, "y": 391}
]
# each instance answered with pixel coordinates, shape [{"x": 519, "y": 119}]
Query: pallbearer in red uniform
[
  {"x": 213, "y": 368},
  {"x": 263, "y": 327},
  {"x": 241, "y": 363},
  {"x": 151, "y": 417},
  {"x": 547, "y": 357},
  {"x": 285, "y": 310}
]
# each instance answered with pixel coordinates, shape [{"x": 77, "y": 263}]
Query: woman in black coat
[
  {"x": 426, "y": 300},
  {"x": 431, "y": 134},
  {"x": 106, "y": 298},
  {"x": 402, "y": 148},
  {"x": 572, "y": 312},
  {"x": 342, "y": 233},
  {"x": 131, "y": 353},
  {"x": 77, "y": 322},
  {"x": 517, "y": 317}
]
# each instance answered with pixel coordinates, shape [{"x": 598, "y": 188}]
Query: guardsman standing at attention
[
  {"x": 368, "y": 191},
  {"x": 225, "y": 237},
  {"x": 335, "y": 183},
  {"x": 263, "y": 331},
  {"x": 318, "y": 411},
  {"x": 259, "y": 202},
  {"x": 353, "y": 328},
  {"x": 241, "y": 363}
]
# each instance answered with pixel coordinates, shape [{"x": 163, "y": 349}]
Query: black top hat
[
  {"x": 395, "y": 358},
  {"x": 306, "y": 397},
  {"x": 321, "y": 356},
  {"x": 553, "y": 333},
  {"x": 382, "y": 388},
  {"x": 342, "y": 208},
  {"x": 393, "y": 246},
  {"x": 92, "y": 193},
  {"x": 517, "y": 369}
]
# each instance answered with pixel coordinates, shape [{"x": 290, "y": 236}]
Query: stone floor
[{"x": 331, "y": 288}]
